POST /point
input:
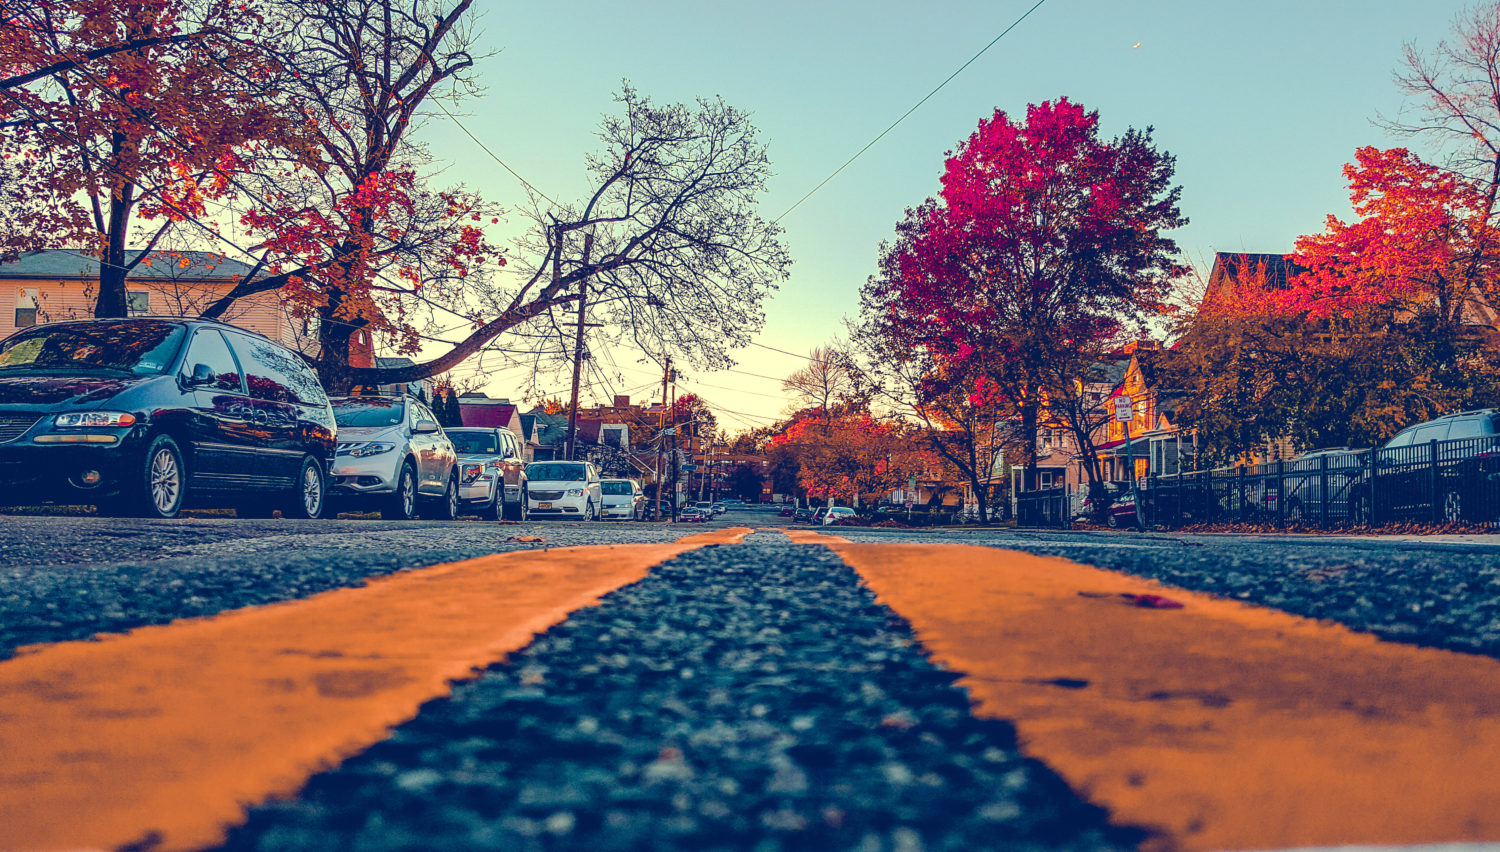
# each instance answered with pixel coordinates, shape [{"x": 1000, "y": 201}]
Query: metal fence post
[
  {"x": 1323, "y": 491},
  {"x": 1371, "y": 466},
  {"x": 1242, "y": 494},
  {"x": 1280, "y": 493},
  {"x": 1432, "y": 465}
]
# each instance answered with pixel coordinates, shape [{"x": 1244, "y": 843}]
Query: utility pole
[
  {"x": 661, "y": 438},
  {"x": 583, "y": 294}
]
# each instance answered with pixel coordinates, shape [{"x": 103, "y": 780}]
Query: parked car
[
  {"x": 393, "y": 456},
  {"x": 786, "y": 511},
  {"x": 834, "y": 514},
  {"x": 803, "y": 515},
  {"x": 144, "y": 416},
  {"x": 1303, "y": 476},
  {"x": 623, "y": 498},
  {"x": 566, "y": 488},
  {"x": 492, "y": 472},
  {"x": 1404, "y": 479},
  {"x": 691, "y": 514},
  {"x": 720, "y": 508}
]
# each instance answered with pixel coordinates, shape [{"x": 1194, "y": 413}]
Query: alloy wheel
[
  {"x": 166, "y": 481},
  {"x": 312, "y": 491}
]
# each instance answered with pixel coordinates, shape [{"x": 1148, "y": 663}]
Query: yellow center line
[
  {"x": 172, "y": 731},
  {"x": 1220, "y": 725}
]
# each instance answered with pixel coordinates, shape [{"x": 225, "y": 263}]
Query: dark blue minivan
[{"x": 143, "y": 416}]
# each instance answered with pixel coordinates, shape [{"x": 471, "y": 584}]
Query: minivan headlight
[{"x": 94, "y": 420}]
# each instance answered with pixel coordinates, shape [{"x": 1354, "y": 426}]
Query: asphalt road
[{"x": 747, "y": 697}]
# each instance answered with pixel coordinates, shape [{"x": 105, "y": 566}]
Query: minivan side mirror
[
  {"x": 426, "y": 427},
  {"x": 202, "y": 375}
]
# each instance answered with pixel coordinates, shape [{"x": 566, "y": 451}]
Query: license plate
[{"x": 544, "y": 505}]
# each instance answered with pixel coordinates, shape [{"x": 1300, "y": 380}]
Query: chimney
[{"x": 622, "y": 402}]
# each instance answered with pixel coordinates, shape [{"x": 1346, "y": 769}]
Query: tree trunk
[
  {"x": 110, "y": 300},
  {"x": 1028, "y": 431},
  {"x": 334, "y": 335}
]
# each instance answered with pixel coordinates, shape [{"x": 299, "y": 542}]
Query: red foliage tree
[{"x": 1045, "y": 243}]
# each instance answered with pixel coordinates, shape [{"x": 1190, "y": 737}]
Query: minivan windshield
[
  {"x": 555, "y": 472},
  {"x": 137, "y": 347},
  {"x": 367, "y": 412}
]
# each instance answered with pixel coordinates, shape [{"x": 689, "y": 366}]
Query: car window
[
  {"x": 474, "y": 442},
  {"x": 1470, "y": 427},
  {"x": 1430, "y": 432},
  {"x": 276, "y": 374},
  {"x": 208, "y": 347},
  {"x": 367, "y": 412},
  {"x": 423, "y": 412},
  {"x": 618, "y": 488},
  {"x": 557, "y": 472},
  {"x": 138, "y": 347},
  {"x": 1401, "y": 440}
]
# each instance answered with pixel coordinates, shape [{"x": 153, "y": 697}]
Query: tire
[
  {"x": 1359, "y": 510},
  {"x": 402, "y": 505},
  {"x": 496, "y": 510},
  {"x": 588, "y": 511},
  {"x": 1453, "y": 507},
  {"x": 1112, "y": 520},
  {"x": 520, "y": 511},
  {"x": 162, "y": 482},
  {"x": 309, "y": 497},
  {"x": 445, "y": 508}
]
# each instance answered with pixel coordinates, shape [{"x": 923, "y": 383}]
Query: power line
[
  {"x": 904, "y": 115},
  {"x": 485, "y": 148}
]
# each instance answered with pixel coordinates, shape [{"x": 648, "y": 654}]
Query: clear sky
[{"x": 1262, "y": 103}]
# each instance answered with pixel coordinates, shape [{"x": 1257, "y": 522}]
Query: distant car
[
  {"x": 142, "y": 416},
  {"x": 623, "y": 499},
  {"x": 834, "y": 514},
  {"x": 730, "y": 502},
  {"x": 692, "y": 515},
  {"x": 392, "y": 454},
  {"x": 492, "y": 472},
  {"x": 787, "y": 511},
  {"x": 803, "y": 515},
  {"x": 565, "y": 488},
  {"x": 720, "y": 508}
]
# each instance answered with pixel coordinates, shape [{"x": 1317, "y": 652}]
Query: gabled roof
[
  {"x": 486, "y": 415},
  {"x": 165, "y": 266},
  {"x": 1232, "y": 266}
]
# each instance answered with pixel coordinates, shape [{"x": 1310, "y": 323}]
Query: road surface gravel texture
[
  {"x": 742, "y": 697},
  {"x": 751, "y": 696}
]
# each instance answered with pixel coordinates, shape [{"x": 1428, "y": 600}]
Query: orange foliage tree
[
  {"x": 1424, "y": 244},
  {"x": 851, "y": 455}
]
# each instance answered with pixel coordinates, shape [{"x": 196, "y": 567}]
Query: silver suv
[{"x": 393, "y": 456}]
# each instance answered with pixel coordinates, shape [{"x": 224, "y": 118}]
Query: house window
[
  {"x": 26, "y": 307},
  {"x": 137, "y": 303}
]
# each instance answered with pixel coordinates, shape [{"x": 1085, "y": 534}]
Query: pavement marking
[
  {"x": 168, "y": 733},
  {"x": 1220, "y": 725}
]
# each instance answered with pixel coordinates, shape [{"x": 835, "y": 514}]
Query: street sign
[
  {"x": 689, "y": 468},
  {"x": 1124, "y": 409}
]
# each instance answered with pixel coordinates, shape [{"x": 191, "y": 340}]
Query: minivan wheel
[
  {"x": 159, "y": 491},
  {"x": 402, "y": 505}
]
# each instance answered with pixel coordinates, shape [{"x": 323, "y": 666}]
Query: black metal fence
[
  {"x": 1048, "y": 507},
  {"x": 1454, "y": 481},
  {"x": 1437, "y": 482}
]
